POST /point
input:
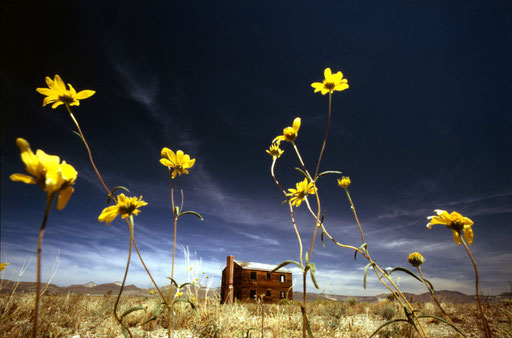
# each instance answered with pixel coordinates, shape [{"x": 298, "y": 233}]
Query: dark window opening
[
  {"x": 253, "y": 294},
  {"x": 282, "y": 295},
  {"x": 269, "y": 294},
  {"x": 282, "y": 278},
  {"x": 253, "y": 275},
  {"x": 269, "y": 275}
]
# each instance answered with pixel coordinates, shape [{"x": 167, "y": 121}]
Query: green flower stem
[
  {"x": 110, "y": 194},
  {"x": 482, "y": 314},
  {"x": 304, "y": 304},
  {"x": 49, "y": 201},
  {"x": 435, "y": 298},
  {"x": 301, "y": 161},
  {"x": 355, "y": 215},
  {"x": 325, "y": 136},
  {"x": 367, "y": 256},
  {"x": 130, "y": 226},
  {"x": 88, "y": 149},
  {"x": 291, "y": 210}
]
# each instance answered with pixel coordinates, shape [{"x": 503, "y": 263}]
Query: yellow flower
[
  {"x": 126, "y": 206},
  {"x": 178, "y": 161},
  {"x": 151, "y": 292},
  {"x": 3, "y": 265},
  {"x": 344, "y": 182},
  {"x": 47, "y": 171},
  {"x": 416, "y": 259},
  {"x": 275, "y": 151},
  {"x": 454, "y": 221},
  {"x": 331, "y": 82},
  {"x": 289, "y": 133},
  {"x": 303, "y": 189},
  {"x": 179, "y": 294},
  {"x": 57, "y": 93}
]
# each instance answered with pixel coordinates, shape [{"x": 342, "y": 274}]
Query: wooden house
[{"x": 247, "y": 281}]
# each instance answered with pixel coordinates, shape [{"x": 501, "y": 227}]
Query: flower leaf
[
  {"x": 362, "y": 247},
  {"x": 387, "y": 323},
  {"x": 136, "y": 308},
  {"x": 303, "y": 173},
  {"x": 285, "y": 263},
  {"x": 311, "y": 266},
  {"x": 191, "y": 213},
  {"x": 186, "y": 300},
  {"x": 322, "y": 238},
  {"x": 329, "y": 172},
  {"x": 444, "y": 321},
  {"x": 308, "y": 327},
  {"x": 156, "y": 312},
  {"x": 366, "y": 274},
  {"x": 111, "y": 196},
  {"x": 399, "y": 268}
]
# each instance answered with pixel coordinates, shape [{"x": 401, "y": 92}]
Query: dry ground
[{"x": 91, "y": 316}]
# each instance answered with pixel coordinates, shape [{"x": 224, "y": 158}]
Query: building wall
[
  {"x": 262, "y": 284},
  {"x": 246, "y": 288}
]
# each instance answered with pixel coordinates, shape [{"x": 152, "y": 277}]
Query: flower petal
[
  {"x": 468, "y": 234},
  {"x": 63, "y": 198},
  {"x": 327, "y": 73},
  {"x": 84, "y": 94},
  {"x": 456, "y": 237},
  {"x": 23, "y": 178}
]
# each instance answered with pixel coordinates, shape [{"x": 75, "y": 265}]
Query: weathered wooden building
[{"x": 247, "y": 280}]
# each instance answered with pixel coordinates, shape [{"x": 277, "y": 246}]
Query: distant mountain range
[{"x": 94, "y": 289}]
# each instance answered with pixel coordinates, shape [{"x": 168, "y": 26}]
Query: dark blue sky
[{"x": 424, "y": 125}]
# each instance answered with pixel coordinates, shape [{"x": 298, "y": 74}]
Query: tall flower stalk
[
  {"x": 462, "y": 230},
  {"x": 125, "y": 207},
  {"x": 56, "y": 179},
  {"x": 178, "y": 164},
  {"x": 58, "y": 94}
]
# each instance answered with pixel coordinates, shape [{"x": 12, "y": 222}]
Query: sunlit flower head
[
  {"x": 47, "y": 171},
  {"x": 416, "y": 259},
  {"x": 178, "y": 161},
  {"x": 344, "y": 182},
  {"x": 454, "y": 221},
  {"x": 275, "y": 151},
  {"x": 331, "y": 83},
  {"x": 3, "y": 265},
  {"x": 151, "y": 292},
  {"x": 299, "y": 194},
  {"x": 125, "y": 206},
  {"x": 289, "y": 133},
  {"x": 57, "y": 93}
]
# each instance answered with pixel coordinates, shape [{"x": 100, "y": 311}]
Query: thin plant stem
[
  {"x": 477, "y": 287},
  {"x": 353, "y": 208},
  {"x": 434, "y": 297},
  {"x": 88, "y": 149},
  {"x": 130, "y": 225},
  {"x": 304, "y": 304},
  {"x": 325, "y": 136},
  {"x": 110, "y": 194},
  {"x": 49, "y": 201},
  {"x": 301, "y": 161}
]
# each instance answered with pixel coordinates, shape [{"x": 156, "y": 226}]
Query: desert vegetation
[{"x": 75, "y": 315}]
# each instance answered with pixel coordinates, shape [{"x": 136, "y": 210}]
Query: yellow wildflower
[
  {"x": 126, "y": 206},
  {"x": 47, "y": 171},
  {"x": 57, "y": 93},
  {"x": 344, "y": 182},
  {"x": 151, "y": 292},
  {"x": 275, "y": 151},
  {"x": 331, "y": 82},
  {"x": 179, "y": 294},
  {"x": 454, "y": 221},
  {"x": 289, "y": 133},
  {"x": 3, "y": 265},
  {"x": 416, "y": 259},
  {"x": 303, "y": 189},
  {"x": 178, "y": 161}
]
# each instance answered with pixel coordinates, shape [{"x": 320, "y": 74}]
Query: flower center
[
  {"x": 127, "y": 209},
  {"x": 456, "y": 225},
  {"x": 66, "y": 98},
  {"x": 329, "y": 85}
]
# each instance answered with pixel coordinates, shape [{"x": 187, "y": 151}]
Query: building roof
[{"x": 260, "y": 266}]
